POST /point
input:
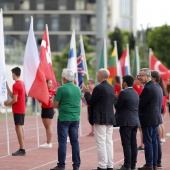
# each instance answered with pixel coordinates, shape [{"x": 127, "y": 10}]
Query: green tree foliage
[
  {"x": 131, "y": 40},
  {"x": 60, "y": 60},
  {"x": 159, "y": 40},
  {"x": 116, "y": 35}
]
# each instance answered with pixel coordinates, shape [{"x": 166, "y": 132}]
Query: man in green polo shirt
[{"x": 67, "y": 100}]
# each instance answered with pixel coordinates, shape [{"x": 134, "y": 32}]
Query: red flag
[
  {"x": 34, "y": 77},
  {"x": 156, "y": 65},
  {"x": 45, "y": 56}
]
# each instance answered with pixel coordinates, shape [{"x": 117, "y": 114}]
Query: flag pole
[
  {"x": 105, "y": 54},
  {"x": 84, "y": 57},
  {"x": 150, "y": 53},
  {"x": 7, "y": 131},
  {"x": 49, "y": 50},
  {"x": 38, "y": 136}
]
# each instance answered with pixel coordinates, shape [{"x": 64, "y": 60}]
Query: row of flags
[
  {"x": 122, "y": 66},
  {"x": 38, "y": 66}
]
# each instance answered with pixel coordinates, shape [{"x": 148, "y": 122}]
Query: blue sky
[{"x": 153, "y": 13}]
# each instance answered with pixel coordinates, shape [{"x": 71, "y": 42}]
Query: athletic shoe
[
  {"x": 46, "y": 145},
  {"x": 163, "y": 140},
  {"x": 167, "y": 134},
  {"x": 20, "y": 152}
]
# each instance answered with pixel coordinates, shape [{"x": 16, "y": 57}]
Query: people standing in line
[
  {"x": 67, "y": 100},
  {"x": 47, "y": 114},
  {"x": 102, "y": 100},
  {"x": 117, "y": 85},
  {"x": 90, "y": 85},
  {"x": 149, "y": 117},
  {"x": 156, "y": 79},
  {"x": 127, "y": 119},
  {"x": 138, "y": 87},
  {"x": 18, "y": 108}
]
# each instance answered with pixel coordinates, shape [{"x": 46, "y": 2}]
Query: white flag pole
[
  {"x": 49, "y": 47},
  {"x": 7, "y": 131},
  {"x": 105, "y": 54},
  {"x": 84, "y": 57},
  {"x": 38, "y": 136}
]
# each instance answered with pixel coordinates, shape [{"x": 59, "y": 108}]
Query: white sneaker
[
  {"x": 168, "y": 134},
  {"x": 163, "y": 140},
  {"x": 46, "y": 145}
]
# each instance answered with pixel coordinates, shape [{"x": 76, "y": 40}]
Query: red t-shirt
[
  {"x": 19, "y": 89},
  {"x": 138, "y": 88},
  {"x": 117, "y": 88},
  {"x": 51, "y": 94}
]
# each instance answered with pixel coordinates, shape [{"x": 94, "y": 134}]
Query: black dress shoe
[
  {"x": 145, "y": 168},
  {"x": 109, "y": 168},
  {"x": 98, "y": 168},
  {"x": 57, "y": 168},
  {"x": 123, "y": 168}
]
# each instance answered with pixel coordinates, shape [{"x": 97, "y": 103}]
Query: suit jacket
[
  {"x": 127, "y": 108},
  {"x": 149, "y": 108},
  {"x": 102, "y": 101}
]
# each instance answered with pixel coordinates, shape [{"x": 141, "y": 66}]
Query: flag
[
  {"x": 72, "y": 59},
  {"x": 72, "y": 54},
  {"x": 45, "y": 56},
  {"x": 125, "y": 62},
  {"x": 113, "y": 65},
  {"x": 80, "y": 67},
  {"x": 155, "y": 64},
  {"x": 84, "y": 57},
  {"x": 136, "y": 63},
  {"x": 3, "y": 90},
  {"x": 101, "y": 64},
  {"x": 34, "y": 77}
]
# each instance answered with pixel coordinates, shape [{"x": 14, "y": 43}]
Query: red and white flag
[
  {"x": 155, "y": 64},
  {"x": 45, "y": 56},
  {"x": 34, "y": 77}
]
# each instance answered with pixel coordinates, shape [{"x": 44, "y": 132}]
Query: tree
[
  {"x": 158, "y": 39},
  {"x": 116, "y": 35},
  {"x": 60, "y": 60}
]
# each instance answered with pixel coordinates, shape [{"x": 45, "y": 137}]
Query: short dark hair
[
  {"x": 16, "y": 71},
  {"x": 129, "y": 80},
  {"x": 155, "y": 75}
]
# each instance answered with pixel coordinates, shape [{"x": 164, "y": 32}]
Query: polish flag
[
  {"x": 34, "y": 77},
  {"x": 45, "y": 56}
]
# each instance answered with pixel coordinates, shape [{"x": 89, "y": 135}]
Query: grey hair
[
  {"x": 68, "y": 74},
  {"x": 104, "y": 73},
  {"x": 147, "y": 71}
]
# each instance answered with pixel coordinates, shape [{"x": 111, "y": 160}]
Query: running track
[{"x": 44, "y": 159}]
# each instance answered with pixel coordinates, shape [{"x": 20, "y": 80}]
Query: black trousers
[{"x": 129, "y": 143}]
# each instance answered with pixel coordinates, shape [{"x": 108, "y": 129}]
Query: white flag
[
  {"x": 72, "y": 59},
  {"x": 3, "y": 90}
]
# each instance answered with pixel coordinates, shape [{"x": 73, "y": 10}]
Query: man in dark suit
[
  {"x": 128, "y": 119},
  {"x": 102, "y": 101},
  {"x": 149, "y": 118}
]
